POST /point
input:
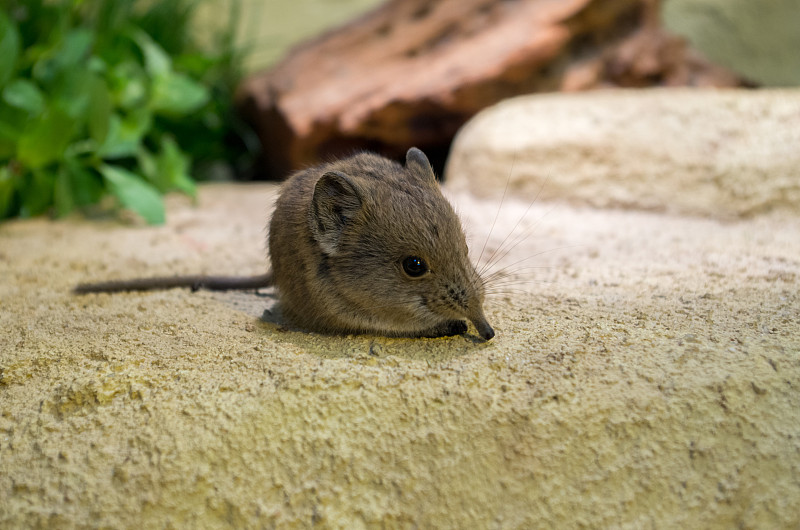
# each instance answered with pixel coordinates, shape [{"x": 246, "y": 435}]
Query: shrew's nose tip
[{"x": 484, "y": 329}]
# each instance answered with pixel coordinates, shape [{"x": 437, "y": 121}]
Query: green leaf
[
  {"x": 36, "y": 193},
  {"x": 9, "y": 48},
  {"x": 156, "y": 60},
  {"x": 134, "y": 193},
  {"x": 72, "y": 92},
  {"x": 76, "y": 48},
  {"x": 87, "y": 186},
  {"x": 148, "y": 165},
  {"x": 118, "y": 143},
  {"x": 7, "y": 149},
  {"x": 175, "y": 94},
  {"x": 96, "y": 65},
  {"x": 195, "y": 64},
  {"x": 125, "y": 134},
  {"x": 12, "y": 123},
  {"x": 25, "y": 95},
  {"x": 128, "y": 83},
  {"x": 45, "y": 139},
  {"x": 173, "y": 168},
  {"x": 99, "y": 112},
  {"x": 72, "y": 52},
  {"x": 6, "y": 191},
  {"x": 62, "y": 196}
]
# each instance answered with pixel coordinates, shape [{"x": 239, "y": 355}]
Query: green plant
[{"x": 109, "y": 97}]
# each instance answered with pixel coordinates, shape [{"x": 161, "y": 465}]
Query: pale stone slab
[{"x": 722, "y": 153}]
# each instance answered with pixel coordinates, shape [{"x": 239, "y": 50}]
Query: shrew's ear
[
  {"x": 418, "y": 164},
  {"x": 335, "y": 202}
]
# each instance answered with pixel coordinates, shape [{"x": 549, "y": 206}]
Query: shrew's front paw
[{"x": 446, "y": 329}]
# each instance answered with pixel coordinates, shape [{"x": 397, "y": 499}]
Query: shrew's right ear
[
  {"x": 418, "y": 163},
  {"x": 335, "y": 202}
]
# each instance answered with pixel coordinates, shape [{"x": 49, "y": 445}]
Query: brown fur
[{"x": 348, "y": 277}]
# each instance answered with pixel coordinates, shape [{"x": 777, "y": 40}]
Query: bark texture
[{"x": 413, "y": 71}]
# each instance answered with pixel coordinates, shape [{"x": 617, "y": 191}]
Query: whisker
[
  {"x": 500, "y": 207},
  {"x": 510, "y": 292},
  {"x": 517, "y": 241},
  {"x": 505, "y": 272},
  {"x": 517, "y": 281},
  {"x": 519, "y": 284},
  {"x": 537, "y": 255},
  {"x": 490, "y": 260}
]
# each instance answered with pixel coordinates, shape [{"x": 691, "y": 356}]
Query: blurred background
[
  {"x": 108, "y": 105},
  {"x": 267, "y": 30},
  {"x": 757, "y": 39}
]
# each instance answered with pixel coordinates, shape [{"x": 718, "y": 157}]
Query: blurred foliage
[
  {"x": 112, "y": 97},
  {"x": 758, "y": 40}
]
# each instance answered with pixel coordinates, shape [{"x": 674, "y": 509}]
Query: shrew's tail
[{"x": 211, "y": 283}]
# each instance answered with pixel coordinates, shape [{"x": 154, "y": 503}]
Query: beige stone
[
  {"x": 644, "y": 374},
  {"x": 725, "y": 153}
]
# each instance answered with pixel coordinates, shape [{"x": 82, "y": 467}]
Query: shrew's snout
[{"x": 482, "y": 325}]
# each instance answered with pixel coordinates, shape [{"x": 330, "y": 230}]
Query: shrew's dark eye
[{"x": 414, "y": 266}]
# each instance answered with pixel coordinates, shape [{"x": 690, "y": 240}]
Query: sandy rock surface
[{"x": 644, "y": 374}]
